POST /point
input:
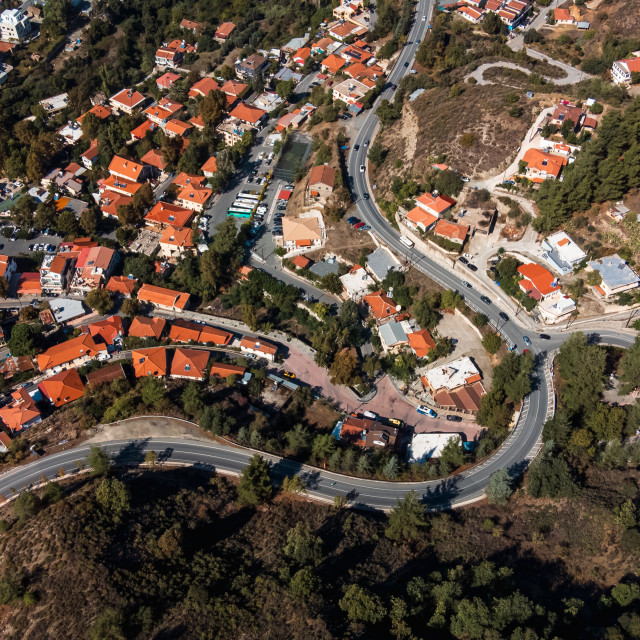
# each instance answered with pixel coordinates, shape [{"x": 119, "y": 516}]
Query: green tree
[
  {"x": 113, "y": 496},
  {"x": 130, "y": 307},
  {"x": 192, "y": 401},
  {"x": 303, "y": 546},
  {"x": 449, "y": 182},
  {"x": 344, "y": 369},
  {"x": 152, "y": 392},
  {"x": 255, "y": 484},
  {"x": 480, "y": 320},
  {"x": 304, "y": 583},
  {"x": 109, "y": 625},
  {"x": 450, "y": 299},
  {"x": 285, "y": 88},
  {"x": 492, "y": 24},
  {"x": 492, "y": 342},
  {"x": 377, "y": 154},
  {"x": 629, "y": 372},
  {"x": 499, "y": 487},
  {"x": 27, "y": 504},
  {"x": 361, "y": 605},
  {"x": 24, "y": 339},
  {"x": 550, "y": 476},
  {"x": 425, "y": 312},
  {"x": 332, "y": 283},
  {"x": 151, "y": 458},
  {"x": 99, "y": 461},
  {"x": 406, "y": 520},
  {"x": 53, "y": 492},
  {"x": 99, "y": 300}
]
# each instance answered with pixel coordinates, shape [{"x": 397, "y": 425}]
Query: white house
[
  {"x": 356, "y": 283},
  {"x": 561, "y": 252},
  {"x": 556, "y": 307},
  {"x": 617, "y": 275},
  {"x": 14, "y": 25},
  {"x": 621, "y": 70}
]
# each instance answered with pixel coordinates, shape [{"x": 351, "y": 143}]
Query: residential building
[
  {"x": 167, "y": 80},
  {"x": 301, "y": 233},
  {"x": 322, "y": 180},
  {"x": 234, "y": 90},
  {"x": 380, "y": 306},
  {"x": 617, "y": 275},
  {"x": 203, "y": 88},
  {"x": 214, "y": 336},
  {"x": 380, "y": 262},
  {"x": 74, "y": 352},
  {"x": 62, "y": 388},
  {"x": 224, "y": 30},
  {"x": 418, "y": 218},
  {"x": 249, "y": 115},
  {"x": 121, "y": 285},
  {"x": 301, "y": 56},
  {"x": 66, "y": 310},
  {"x": 209, "y": 167},
  {"x": 563, "y": 16},
  {"x": 393, "y": 334},
  {"x": 189, "y": 25},
  {"x": 177, "y": 128},
  {"x": 324, "y": 46},
  {"x": 425, "y": 446},
  {"x": 139, "y": 132},
  {"x": 356, "y": 283},
  {"x": 162, "y": 298},
  {"x": 564, "y": 112},
  {"x": 155, "y": 159},
  {"x": 351, "y": 92},
  {"x": 621, "y": 70},
  {"x": 343, "y": 30},
  {"x": 7, "y": 267},
  {"x": 127, "y": 170},
  {"x": 456, "y": 385},
  {"x": 14, "y": 25},
  {"x": 332, "y": 63},
  {"x": 163, "y": 111},
  {"x": 537, "y": 281},
  {"x": 542, "y": 166},
  {"x": 456, "y": 233},
  {"x": 556, "y": 307},
  {"x": 163, "y": 215},
  {"x": 100, "y": 111},
  {"x": 106, "y": 375},
  {"x": 171, "y": 54},
  {"x": 618, "y": 211},
  {"x": 143, "y": 327},
  {"x": 93, "y": 268},
  {"x": 176, "y": 242},
  {"x": 184, "y": 331},
  {"x": 258, "y": 347},
  {"x": 21, "y": 413},
  {"x": 149, "y": 362},
  {"x": 421, "y": 342},
  {"x": 55, "y": 273},
  {"x": 252, "y": 67},
  {"x": 221, "y": 370},
  {"x": 110, "y": 201},
  {"x": 109, "y": 331},
  {"x": 562, "y": 253},
  {"x": 90, "y": 156},
  {"x": 194, "y": 197},
  {"x": 127, "y": 101},
  {"x": 189, "y": 364},
  {"x": 472, "y": 15}
]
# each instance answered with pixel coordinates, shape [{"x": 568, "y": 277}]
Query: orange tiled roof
[
  {"x": 169, "y": 214},
  {"x": 116, "y": 184},
  {"x": 62, "y": 388},
  {"x": 435, "y": 204},
  {"x": 333, "y": 63},
  {"x": 197, "y": 195},
  {"x": 536, "y": 275},
  {"x": 29, "y": 284},
  {"x": 128, "y": 98},
  {"x": 184, "y": 331},
  {"x": 83, "y": 345},
  {"x": 247, "y": 113},
  {"x": 143, "y": 327},
  {"x": 544, "y": 162},
  {"x": 212, "y": 335},
  {"x": 420, "y": 216},
  {"x": 140, "y": 131},
  {"x": 380, "y": 305},
  {"x": 224, "y": 30},
  {"x": 451, "y": 230},
  {"x": 178, "y": 127},
  {"x": 421, "y": 342},
  {"x": 210, "y": 166},
  {"x": 108, "y": 329},
  {"x": 121, "y": 285},
  {"x": 322, "y": 174},
  {"x": 189, "y": 363},
  {"x": 221, "y": 370},
  {"x": 257, "y": 344},
  {"x": 99, "y": 111},
  {"x": 167, "y": 79},
  {"x": 5, "y": 261},
  {"x": 128, "y": 169},
  {"x": 111, "y": 201},
  {"x": 149, "y": 362},
  {"x": 164, "y": 297},
  {"x": 186, "y": 179},
  {"x": 234, "y": 88},
  {"x": 203, "y": 87},
  {"x": 20, "y": 412},
  {"x": 155, "y": 158}
]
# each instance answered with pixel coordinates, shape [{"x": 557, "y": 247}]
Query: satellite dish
[{"x": 398, "y": 307}]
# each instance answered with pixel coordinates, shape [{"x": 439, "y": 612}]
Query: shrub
[{"x": 467, "y": 140}]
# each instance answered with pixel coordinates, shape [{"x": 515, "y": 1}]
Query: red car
[{"x": 359, "y": 225}]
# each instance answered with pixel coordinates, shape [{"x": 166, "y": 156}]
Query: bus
[
  {"x": 243, "y": 202},
  {"x": 239, "y": 213},
  {"x": 248, "y": 196}
]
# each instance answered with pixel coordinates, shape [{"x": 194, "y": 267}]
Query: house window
[{"x": 187, "y": 367}]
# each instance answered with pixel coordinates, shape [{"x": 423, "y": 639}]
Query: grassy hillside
[{"x": 170, "y": 554}]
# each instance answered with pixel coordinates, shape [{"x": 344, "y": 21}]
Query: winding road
[{"x": 468, "y": 486}]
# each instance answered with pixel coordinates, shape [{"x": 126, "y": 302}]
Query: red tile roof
[
  {"x": 149, "y": 362},
  {"x": 322, "y": 174},
  {"x": 538, "y": 278},
  {"x": 164, "y": 297},
  {"x": 224, "y": 30},
  {"x": 221, "y": 370},
  {"x": 143, "y": 327},
  {"x": 451, "y": 230},
  {"x": 184, "y": 331},
  {"x": 421, "y": 342},
  {"x": 122, "y": 285},
  {"x": 83, "y": 345},
  {"x": 203, "y": 87},
  {"x": 380, "y": 305},
  {"x": 164, "y": 213},
  {"x": 108, "y": 330},
  {"x": 247, "y": 113},
  {"x": 215, "y": 336},
  {"x": 128, "y": 169},
  {"x": 62, "y": 388},
  {"x": 257, "y": 344},
  {"x": 20, "y": 412},
  {"x": 155, "y": 158},
  {"x": 189, "y": 363}
]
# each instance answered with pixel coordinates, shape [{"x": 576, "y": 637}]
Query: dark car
[
  {"x": 356, "y": 147},
  {"x": 504, "y": 316},
  {"x": 463, "y": 260},
  {"x": 394, "y": 87},
  {"x": 472, "y": 267},
  {"x": 484, "y": 298},
  {"x": 365, "y": 196},
  {"x": 544, "y": 336},
  {"x": 352, "y": 220},
  {"x": 406, "y": 64},
  {"x": 454, "y": 418}
]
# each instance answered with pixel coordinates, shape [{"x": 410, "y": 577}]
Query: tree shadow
[
  {"x": 284, "y": 468},
  {"x": 442, "y": 495},
  {"x": 132, "y": 453}
]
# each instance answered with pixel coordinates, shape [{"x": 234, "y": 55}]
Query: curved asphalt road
[{"x": 438, "y": 494}]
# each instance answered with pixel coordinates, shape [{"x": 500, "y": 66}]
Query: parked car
[
  {"x": 288, "y": 374},
  {"x": 425, "y": 411},
  {"x": 366, "y": 143},
  {"x": 463, "y": 260},
  {"x": 355, "y": 221},
  {"x": 361, "y": 168},
  {"x": 359, "y": 225},
  {"x": 352, "y": 220},
  {"x": 472, "y": 267},
  {"x": 365, "y": 228},
  {"x": 454, "y": 418},
  {"x": 465, "y": 179},
  {"x": 544, "y": 336}
]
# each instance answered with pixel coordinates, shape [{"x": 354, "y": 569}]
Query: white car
[
  {"x": 465, "y": 179},
  {"x": 103, "y": 356},
  {"x": 424, "y": 18},
  {"x": 361, "y": 168}
]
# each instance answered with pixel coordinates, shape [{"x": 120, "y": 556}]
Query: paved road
[{"x": 478, "y": 74}]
